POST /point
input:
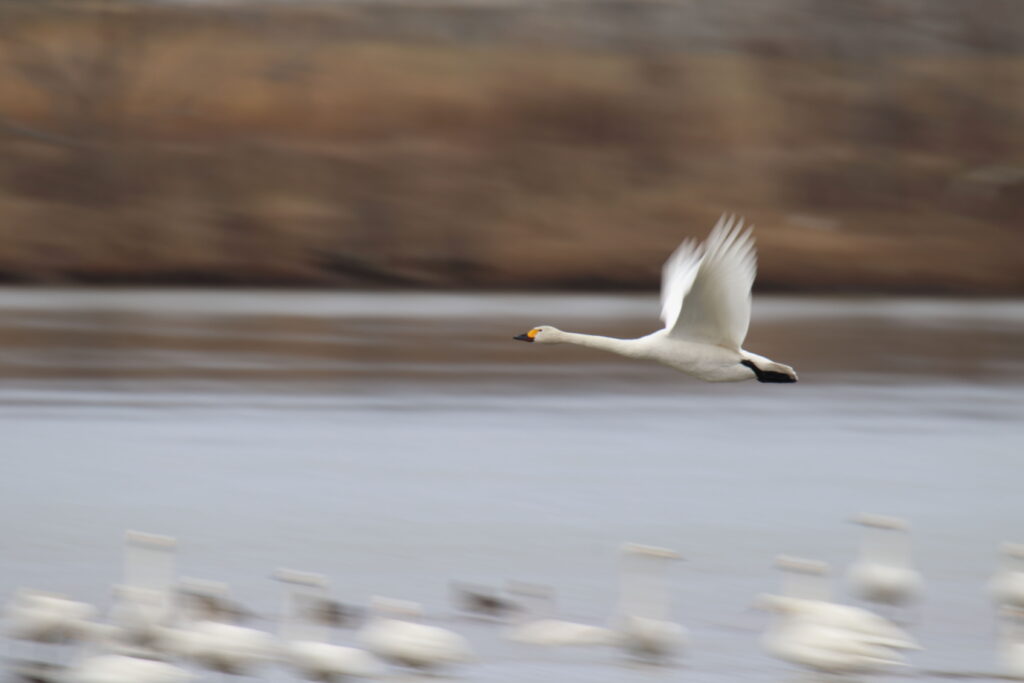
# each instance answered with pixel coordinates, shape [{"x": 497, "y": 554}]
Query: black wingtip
[{"x": 769, "y": 376}]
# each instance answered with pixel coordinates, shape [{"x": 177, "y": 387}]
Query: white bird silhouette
[
  {"x": 215, "y": 644},
  {"x": 114, "y": 668},
  {"x": 705, "y": 305},
  {"x": 809, "y": 594},
  {"x": 305, "y": 637},
  {"x": 642, "y": 625},
  {"x": 1011, "y": 641},
  {"x": 802, "y": 638},
  {"x": 391, "y": 635},
  {"x": 884, "y": 573},
  {"x": 813, "y": 632},
  {"x": 1007, "y": 585},
  {"x": 537, "y": 624},
  {"x": 46, "y": 618}
]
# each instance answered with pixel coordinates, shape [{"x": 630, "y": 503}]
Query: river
[{"x": 398, "y": 441}]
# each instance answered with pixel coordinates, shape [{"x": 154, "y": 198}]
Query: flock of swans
[{"x": 162, "y": 628}]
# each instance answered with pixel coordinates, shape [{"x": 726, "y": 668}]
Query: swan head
[
  {"x": 800, "y": 565},
  {"x": 640, "y": 550},
  {"x": 881, "y": 522},
  {"x": 780, "y": 604},
  {"x": 1014, "y": 550},
  {"x": 394, "y": 608},
  {"x": 544, "y": 334},
  {"x": 298, "y": 578}
]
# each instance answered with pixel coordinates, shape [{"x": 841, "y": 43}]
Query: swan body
[
  {"x": 650, "y": 638},
  {"x": 561, "y": 633},
  {"x": 305, "y": 630},
  {"x": 884, "y": 573},
  {"x": 642, "y": 624},
  {"x": 815, "y": 646},
  {"x": 832, "y": 638},
  {"x": 1011, "y": 642},
  {"x": 227, "y": 648},
  {"x": 865, "y": 625},
  {"x": 46, "y": 617},
  {"x": 705, "y": 295},
  {"x": 408, "y": 643},
  {"x": 320, "y": 661},
  {"x": 1007, "y": 585},
  {"x": 213, "y": 644},
  {"x": 116, "y": 668},
  {"x": 1012, "y": 656},
  {"x": 538, "y": 625}
]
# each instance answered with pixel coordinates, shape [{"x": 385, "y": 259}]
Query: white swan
[
  {"x": 1011, "y": 642},
  {"x": 42, "y": 617},
  {"x": 143, "y": 602},
  {"x": 1007, "y": 585},
  {"x": 112, "y": 656},
  {"x": 809, "y": 595},
  {"x": 149, "y": 561},
  {"x": 642, "y": 625},
  {"x": 802, "y": 639},
  {"x": 538, "y": 626},
  {"x": 216, "y": 645},
  {"x": 305, "y": 635},
  {"x": 119, "y": 668},
  {"x": 803, "y": 578},
  {"x": 884, "y": 573},
  {"x": 705, "y": 305},
  {"x": 391, "y": 635}
]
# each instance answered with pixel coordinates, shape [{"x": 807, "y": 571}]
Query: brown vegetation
[{"x": 190, "y": 145}]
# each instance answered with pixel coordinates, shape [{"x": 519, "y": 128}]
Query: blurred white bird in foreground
[
  {"x": 884, "y": 573},
  {"x": 126, "y": 651},
  {"x": 814, "y": 598},
  {"x": 214, "y": 643},
  {"x": 826, "y": 636},
  {"x": 1011, "y": 641},
  {"x": 642, "y": 625},
  {"x": 42, "y": 617},
  {"x": 537, "y": 624},
  {"x": 803, "y": 578},
  {"x": 144, "y": 602},
  {"x": 1007, "y": 585},
  {"x": 305, "y": 636},
  {"x": 809, "y": 639},
  {"x": 119, "y": 668},
  {"x": 705, "y": 305},
  {"x": 392, "y": 635}
]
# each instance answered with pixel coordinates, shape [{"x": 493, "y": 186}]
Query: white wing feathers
[
  {"x": 705, "y": 290},
  {"x": 677, "y": 277}
]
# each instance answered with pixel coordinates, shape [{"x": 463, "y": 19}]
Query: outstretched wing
[
  {"x": 705, "y": 291},
  {"x": 677, "y": 276}
]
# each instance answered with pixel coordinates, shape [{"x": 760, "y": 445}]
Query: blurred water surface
[{"x": 396, "y": 441}]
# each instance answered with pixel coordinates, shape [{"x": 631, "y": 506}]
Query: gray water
[{"x": 396, "y": 442}]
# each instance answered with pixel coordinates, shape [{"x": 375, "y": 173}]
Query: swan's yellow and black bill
[{"x": 528, "y": 336}]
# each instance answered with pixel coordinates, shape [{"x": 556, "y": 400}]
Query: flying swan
[{"x": 705, "y": 305}]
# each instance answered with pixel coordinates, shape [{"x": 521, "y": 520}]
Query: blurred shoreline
[{"x": 510, "y": 146}]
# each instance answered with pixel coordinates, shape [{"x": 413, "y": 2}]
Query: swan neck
[
  {"x": 643, "y": 587},
  {"x": 296, "y": 623},
  {"x": 1012, "y": 563},
  {"x": 624, "y": 347},
  {"x": 886, "y": 545},
  {"x": 806, "y": 586}
]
